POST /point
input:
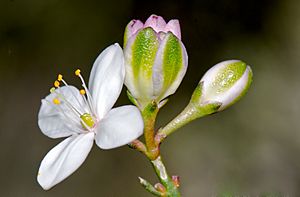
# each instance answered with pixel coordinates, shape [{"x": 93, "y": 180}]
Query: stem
[
  {"x": 186, "y": 116},
  {"x": 165, "y": 179},
  {"x": 169, "y": 188},
  {"x": 149, "y": 116}
]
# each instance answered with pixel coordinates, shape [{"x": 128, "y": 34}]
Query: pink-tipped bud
[
  {"x": 176, "y": 180},
  {"x": 156, "y": 22},
  {"x": 159, "y": 187},
  {"x": 174, "y": 27},
  {"x": 132, "y": 27},
  {"x": 155, "y": 59}
]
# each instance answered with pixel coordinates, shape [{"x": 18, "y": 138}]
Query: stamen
[
  {"x": 61, "y": 96},
  {"x": 86, "y": 102},
  {"x": 82, "y": 92},
  {"x": 77, "y": 72},
  {"x": 59, "y": 77},
  {"x": 64, "y": 82},
  {"x": 52, "y": 89},
  {"x": 70, "y": 119},
  {"x": 56, "y": 84},
  {"x": 75, "y": 96},
  {"x": 56, "y": 101},
  {"x": 87, "y": 120},
  {"x": 89, "y": 97}
]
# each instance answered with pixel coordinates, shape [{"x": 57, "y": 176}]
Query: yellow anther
[
  {"x": 59, "y": 77},
  {"x": 77, "y": 72},
  {"x": 82, "y": 91},
  {"x": 52, "y": 89},
  {"x": 56, "y": 101},
  {"x": 56, "y": 84}
]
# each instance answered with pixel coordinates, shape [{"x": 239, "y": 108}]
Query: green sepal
[
  {"x": 144, "y": 51},
  {"x": 162, "y": 103},
  {"x": 131, "y": 98},
  {"x": 209, "y": 108},
  {"x": 228, "y": 76},
  {"x": 197, "y": 93},
  {"x": 250, "y": 79},
  {"x": 203, "y": 108},
  {"x": 172, "y": 64}
]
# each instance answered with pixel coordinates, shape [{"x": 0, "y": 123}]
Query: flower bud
[
  {"x": 224, "y": 83},
  {"x": 155, "y": 59},
  {"x": 221, "y": 86}
]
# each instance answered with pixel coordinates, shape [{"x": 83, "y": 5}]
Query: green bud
[{"x": 224, "y": 83}]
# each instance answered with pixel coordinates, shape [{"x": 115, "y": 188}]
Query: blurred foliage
[{"x": 251, "y": 148}]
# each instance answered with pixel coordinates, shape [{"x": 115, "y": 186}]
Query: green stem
[
  {"x": 191, "y": 112},
  {"x": 186, "y": 116},
  {"x": 151, "y": 150},
  {"x": 165, "y": 179}
]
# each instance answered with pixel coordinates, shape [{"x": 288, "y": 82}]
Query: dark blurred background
[{"x": 251, "y": 149}]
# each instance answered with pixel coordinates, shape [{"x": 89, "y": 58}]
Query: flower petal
[
  {"x": 174, "y": 27},
  {"x": 62, "y": 160},
  {"x": 156, "y": 22},
  {"x": 120, "y": 126},
  {"x": 170, "y": 66},
  {"x": 58, "y": 120},
  {"x": 106, "y": 79},
  {"x": 132, "y": 27}
]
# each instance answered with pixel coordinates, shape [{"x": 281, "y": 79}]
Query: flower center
[{"x": 80, "y": 109}]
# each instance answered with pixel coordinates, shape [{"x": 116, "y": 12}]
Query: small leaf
[{"x": 149, "y": 187}]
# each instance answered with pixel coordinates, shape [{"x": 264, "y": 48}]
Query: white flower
[{"x": 84, "y": 116}]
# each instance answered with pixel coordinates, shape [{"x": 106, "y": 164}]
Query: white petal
[
  {"x": 106, "y": 79},
  {"x": 64, "y": 159},
  {"x": 120, "y": 126},
  {"x": 52, "y": 121}
]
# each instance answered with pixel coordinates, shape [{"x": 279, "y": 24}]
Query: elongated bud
[
  {"x": 224, "y": 83},
  {"x": 221, "y": 86},
  {"x": 155, "y": 59}
]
